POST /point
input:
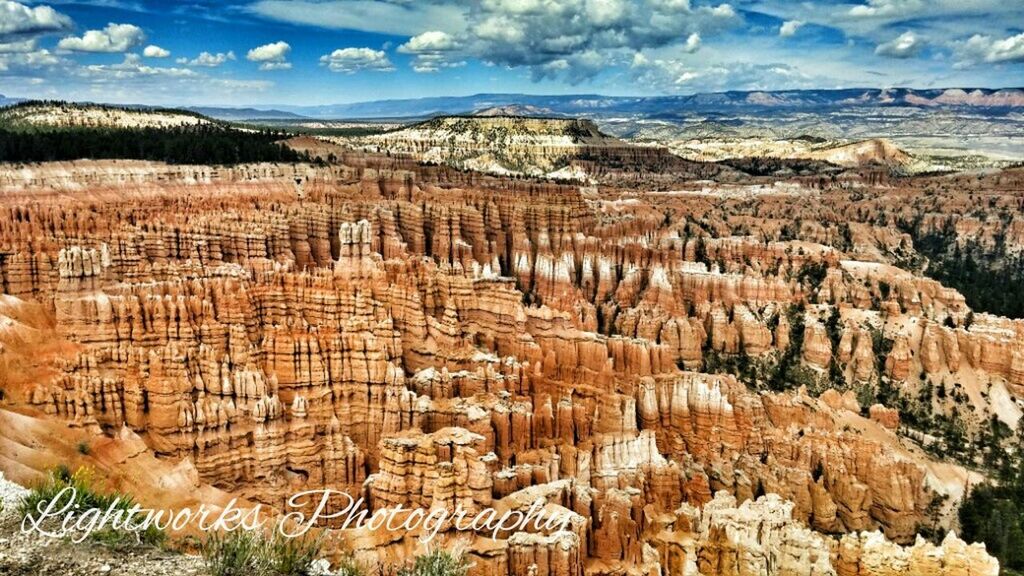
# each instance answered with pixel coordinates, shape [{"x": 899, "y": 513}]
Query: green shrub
[
  {"x": 51, "y": 491},
  {"x": 290, "y": 556},
  {"x": 348, "y": 567},
  {"x": 83, "y": 448},
  {"x": 247, "y": 553},
  {"x": 437, "y": 563},
  {"x": 234, "y": 554}
]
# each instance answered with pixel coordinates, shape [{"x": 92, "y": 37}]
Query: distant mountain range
[
  {"x": 671, "y": 106},
  {"x": 994, "y": 101},
  {"x": 237, "y": 114}
]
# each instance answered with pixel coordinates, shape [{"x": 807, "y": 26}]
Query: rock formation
[{"x": 656, "y": 364}]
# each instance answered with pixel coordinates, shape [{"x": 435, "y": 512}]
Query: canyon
[{"x": 709, "y": 376}]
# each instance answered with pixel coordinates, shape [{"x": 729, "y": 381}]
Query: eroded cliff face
[
  {"x": 419, "y": 336},
  {"x": 558, "y": 148}
]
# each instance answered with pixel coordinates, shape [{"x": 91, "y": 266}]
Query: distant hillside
[
  {"x": 516, "y": 110},
  {"x": 58, "y": 131},
  {"x": 37, "y": 114},
  {"x": 234, "y": 114},
  {"x": 5, "y": 101},
  {"x": 594, "y": 105},
  {"x": 875, "y": 151},
  {"x": 502, "y": 144}
]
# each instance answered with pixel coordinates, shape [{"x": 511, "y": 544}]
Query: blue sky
[{"x": 264, "y": 52}]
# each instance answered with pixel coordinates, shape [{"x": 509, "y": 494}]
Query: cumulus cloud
[
  {"x": 545, "y": 33},
  {"x": 208, "y": 60},
  {"x": 905, "y": 45},
  {"x": 113, "y": 38},
  {"x": 434, "y": 50},
  {"x": 28, "y": 62},
  {"x": 132, "y": 67},
  {"x": 550, "y": 37},
  {"x": 273, "y": 56},
  {"x": 123, "y": 81},
  {"x": 887, "y": 8},
  {"x": 19, "y": 46},
  {"x": 576, "y": 68},
  {"x": 154, "y": 51},
  {"x": 578, "y": 39},
  {"x": 396, "y": 17},
  {"x": 877, "y": 21},
  {"x": 17, "y": 19},
  {"x": 983, "y": 48},
  {"x": 692, "y": 43},
  {"x": 431, "y": 41},
  {"x": 350, "y": 60},
  {"x": 790, "y": 27},
  {"x": 671, "y": 75}
]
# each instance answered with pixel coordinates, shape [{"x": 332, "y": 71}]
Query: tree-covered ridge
[
  {"x": 42, "y": 115},
  {"x": 991, "y": 278},
  {"x": 994, "y": 513},
  {"x": 195, "y": 144}
]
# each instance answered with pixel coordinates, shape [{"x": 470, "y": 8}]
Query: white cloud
[
  {"x": 983, "y": 48},
  {"x": 887, "y": 8},
  {"x": 20, "y": 46},
  {"x": 434, "y": 50},
  {"x": 550, "y": 37},
  {"x": 790, "y": 27},
  {"x": 567, "y": 38},
  {"x": 905, "y": 45},
  {"x": 723, "y": 11},
  {"x": 18, "y": 19},
  {"x": 874, "y": 21},
  {"x": 396, "y": 17},
  {"x": 425, "y": 63},
  {"x": 672, "y": 75},
  {"x": 271, "y": 56},
  {"x": 154, "y": 51},
  {"x": 350, "y": 60},
  {"x": 113, "y": 38},
  {"x": 270, "y": 66},
  {"x": 27, "y": 62},
  {"x": 243, "y": 85},
  {"x": 432, "y": 41},
  {"x": 692, "y": 43},
  {"x": 208, "y": 60},
  {"x": 132, "y": 67}
]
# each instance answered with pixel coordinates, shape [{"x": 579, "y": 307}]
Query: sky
[{"x": 308, "y": 52}]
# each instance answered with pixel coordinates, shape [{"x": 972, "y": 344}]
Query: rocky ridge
[
  {"x": 69, "y": 115},
  {"x": 561, "y": 148}
]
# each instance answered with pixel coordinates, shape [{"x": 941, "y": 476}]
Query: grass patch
[
  {"x": 53, "y": 492},
  {"x": 348, "y": 567},
  {"x": 437, "y": 563},
  {"x": 246, "y": 553}
]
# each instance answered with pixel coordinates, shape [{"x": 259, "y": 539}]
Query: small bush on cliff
[
  {"x": 52, "y": 493},
  {"x": 290, "y": 556},
  {"x": 49, "y": 491},
  {"x": 437, "y": 563},
  {"x": 234, "y": 554},
  {"x": 245, "y": 553},
  {"x": 348, "y": 567}
]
